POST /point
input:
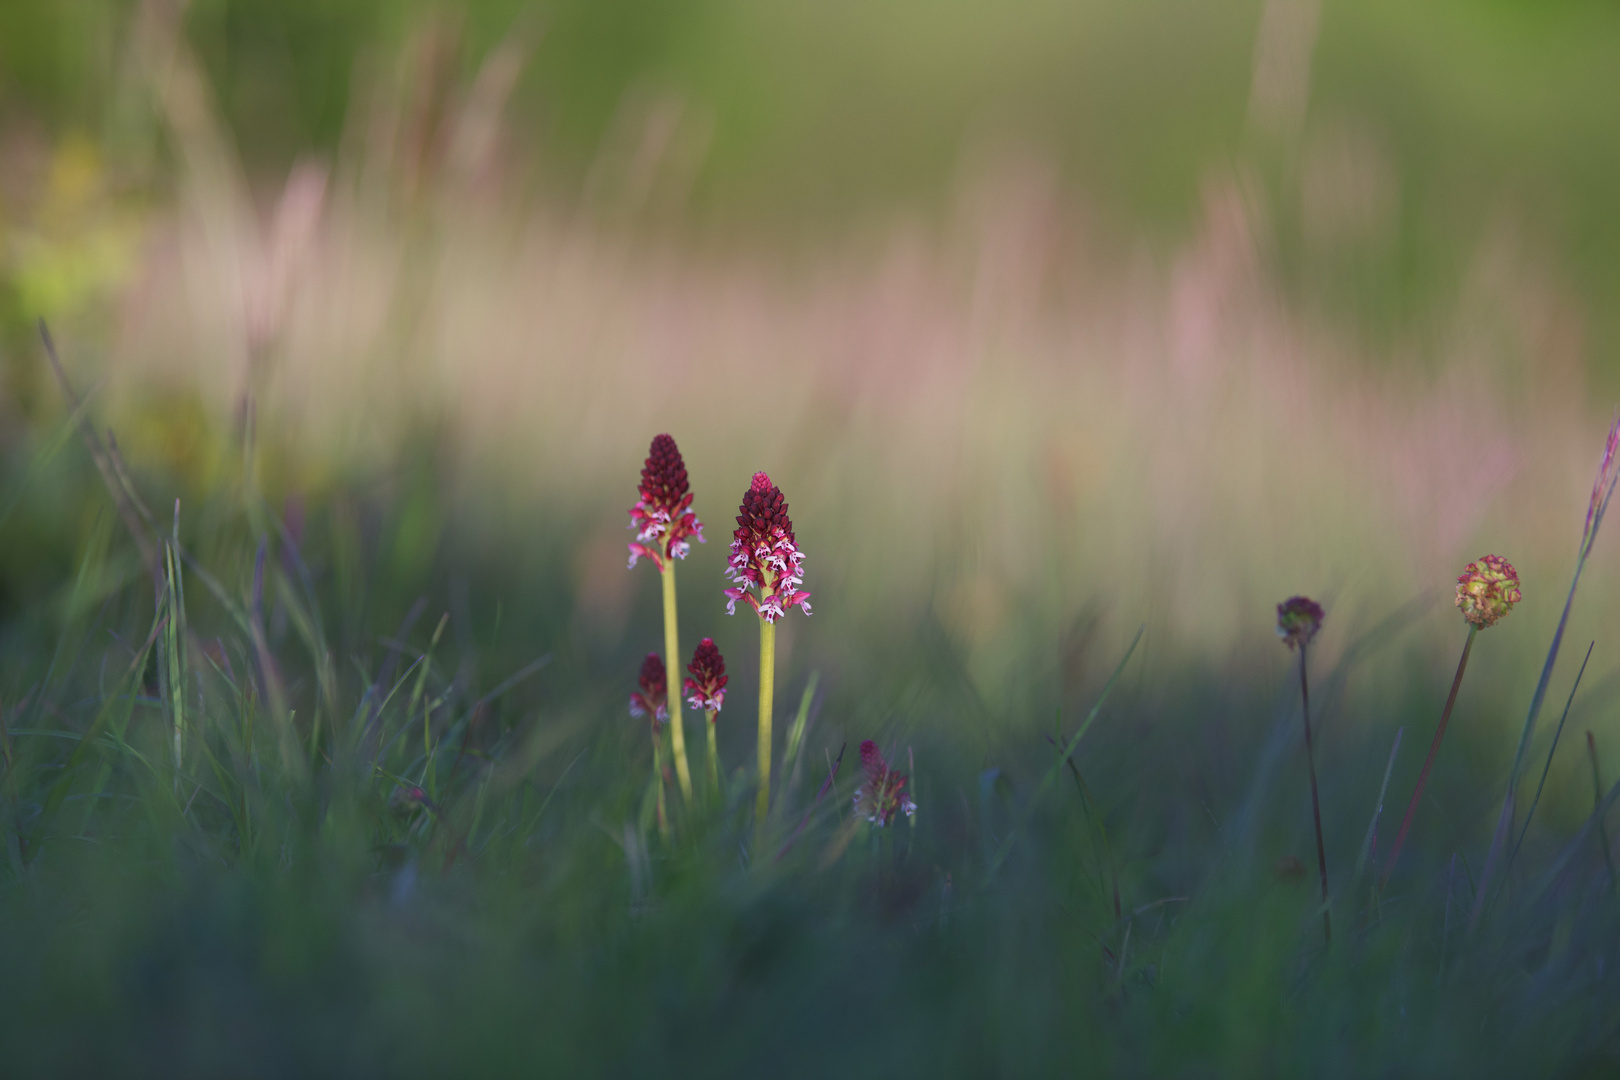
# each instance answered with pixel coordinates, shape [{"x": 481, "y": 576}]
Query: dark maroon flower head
[
  {"x": 662, "y": 517},
  {"x": 765, "y": 554},
  {"x": 884, "y": 791},
  {"x": 653, "y": 699},
  {"x": 1298, "y": 620},
  {"x": 706, "y": 686}
]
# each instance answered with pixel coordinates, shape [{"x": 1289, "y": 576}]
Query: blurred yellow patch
[
  {"x": 78, "y": 245},
  {"x": 975, "y": 608},
  {"x": 174, "y": 432}
]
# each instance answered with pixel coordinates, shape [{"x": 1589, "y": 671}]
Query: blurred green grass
[
  {"x": 1046, "y": 336},
  {"x": 276, "y": 908}
]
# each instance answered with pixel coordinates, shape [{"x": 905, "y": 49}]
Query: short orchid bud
[
  {"x": 884, "y": 791},
  {"x": 706, "y": 685},
  {"x": 653, "y": 698}
]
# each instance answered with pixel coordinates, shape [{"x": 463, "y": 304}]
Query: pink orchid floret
[
  {"x": 884, "y": 791},
  {"x": 706, "y": 685},
  {"x": 662, "y": 517},
  {"x": 765, "y": 555},
  {"x": 653, "y": 698}
]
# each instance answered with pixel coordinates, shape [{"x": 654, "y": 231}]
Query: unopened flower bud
[
  {"x": 884, "y": 791},
  {"x": 706, "y": 685},
  {"x": 653, "y": 698}
]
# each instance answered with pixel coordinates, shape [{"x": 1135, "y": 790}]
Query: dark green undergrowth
[{"x": 409, "y": 831}]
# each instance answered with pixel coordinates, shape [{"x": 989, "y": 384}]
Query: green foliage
[{"x": 268, "y": 813}]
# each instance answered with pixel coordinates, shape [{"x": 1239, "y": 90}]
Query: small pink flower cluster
[
  {"x": 765, "y": 555},
  {"x": 653, "y": 698},
  {"x": 663, "y": 517},
  {"x": 706, "y": 685},
  {"x": 884, "y": 791},
  {"x": 1487, "y": 590}
]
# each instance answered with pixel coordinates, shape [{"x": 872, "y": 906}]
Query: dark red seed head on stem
[{"x": 1298, "y": 620}]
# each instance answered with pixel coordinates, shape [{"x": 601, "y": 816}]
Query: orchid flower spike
[
  {"x": 884, "y": 791},
  {"x": 653, "y": 698},
  {"x": 662, "y": 517},
  {"x": 1298, "y": 620},
  {"x": 1487, "y": 590},
  {"x": 706, "y": 685},
  {"x": 765, "y": 555}
]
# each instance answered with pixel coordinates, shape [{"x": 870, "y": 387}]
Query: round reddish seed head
[
  {"x": 1487, "y": 591},
  {"x": 1298, "y": 620}
]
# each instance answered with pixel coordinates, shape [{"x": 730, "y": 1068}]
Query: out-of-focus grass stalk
[
  {"x": 1087, "y": 802},
  {"x": 174, "y": 644},
  {"x": 1428, "y": 762},
  {"x": 1551, "y": 750},
  {"x": 1378, "y": 810},
  {"x": 714, "y": 751},
  {"x": 1597, "y": 806},
  {"x": 1602, "y": 491},
  {"x": 1316, "y": 801},
  {"x": 767, "y": 693},
  {"x": 795, "y": 737},
  {"x": 672, "y": 664},
  {"x": 427, "y": 711},
  {"x": 1001, "y": 853}
]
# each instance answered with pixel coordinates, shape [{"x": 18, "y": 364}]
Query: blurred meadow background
[{"x": 1053, "y": 321}]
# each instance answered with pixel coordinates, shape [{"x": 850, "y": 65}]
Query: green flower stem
[
  {"x": 672, "y": 676},
  {"x": 658, "y": 778},
  {"x": 1428, "y": 763},
  {"x": 714, "y": 752},
  {"x": 767, "y": 691}
]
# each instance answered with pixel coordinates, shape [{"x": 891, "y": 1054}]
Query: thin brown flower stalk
[
  {"x": 1298, "y": 620},
  {"x": 1428, "y": 762},
  {"x": 1316, "y": 799}
]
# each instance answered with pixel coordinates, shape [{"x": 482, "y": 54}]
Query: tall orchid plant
[
  {"x": 663, "y": 520},
  {"x": 766, "y": 566}
]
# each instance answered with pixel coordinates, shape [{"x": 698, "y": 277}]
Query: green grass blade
[{"x": 1052, "y": 773}]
